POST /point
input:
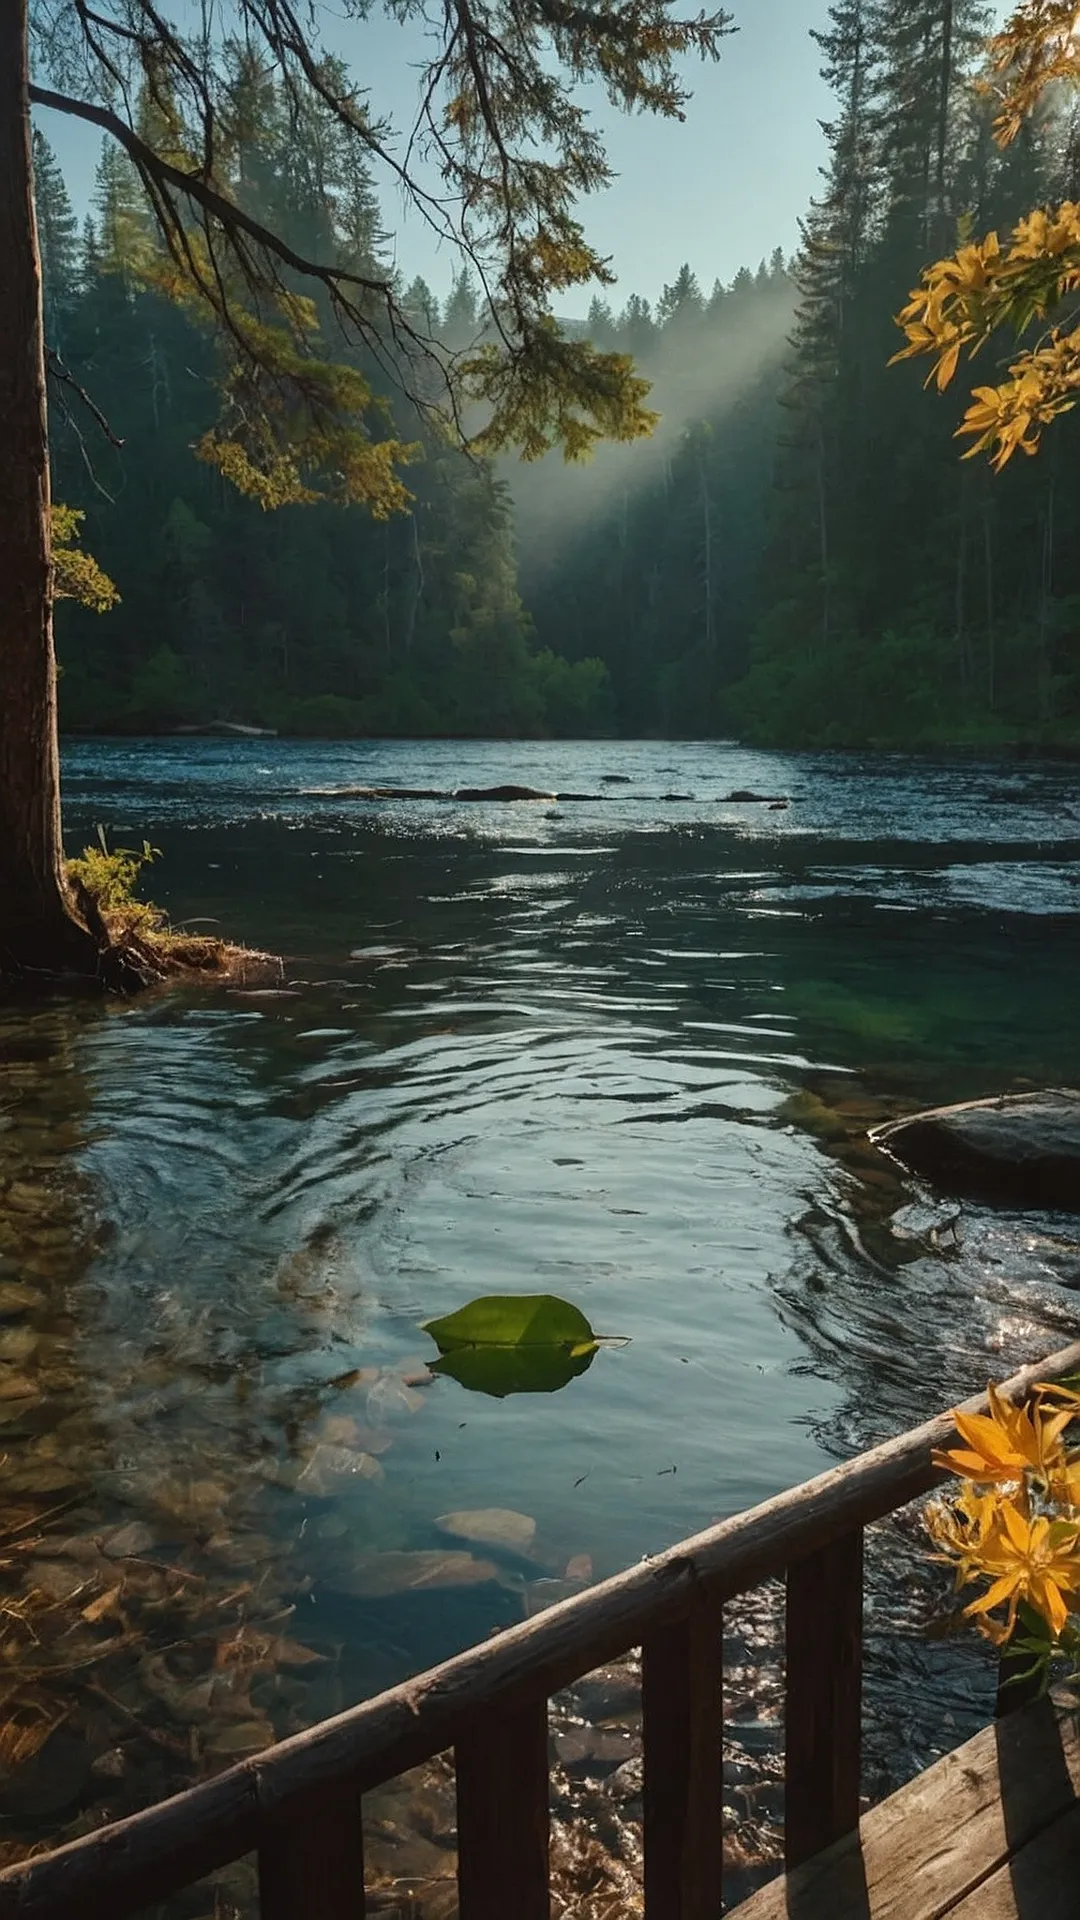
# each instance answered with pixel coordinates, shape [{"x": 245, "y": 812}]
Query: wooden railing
[{"x": 298, "y": 1805}]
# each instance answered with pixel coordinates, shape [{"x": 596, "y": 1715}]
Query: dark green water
[{"x": 622, "y": 1050}]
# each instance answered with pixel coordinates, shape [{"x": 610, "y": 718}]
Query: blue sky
[{"x": 720, "y": 190}]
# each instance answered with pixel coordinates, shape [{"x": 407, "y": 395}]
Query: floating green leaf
[
  {"x": 514, "y": 1343},
  {"x": 503, "y": 1370}
]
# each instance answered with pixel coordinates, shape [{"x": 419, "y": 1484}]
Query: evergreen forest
[{"x": 799, "y": 555}]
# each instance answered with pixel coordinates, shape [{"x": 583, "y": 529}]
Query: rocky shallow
[
  {"x": 177, "y": 1593},
  {"x": 176, "y": 1596},
  {"x": 1019, "y": 1148}
]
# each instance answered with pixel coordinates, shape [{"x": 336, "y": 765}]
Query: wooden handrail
[{"x": 499, "y": 1691}]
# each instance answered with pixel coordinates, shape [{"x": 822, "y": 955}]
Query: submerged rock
[
  {"x": 1022, "y": 1148},
  {"x": 130, "y": 1542},
  {"x": 375, "y": 1576},
  {"x": 504, "y": 793},
  {"x": 17, "y": 1386},
  {"x": 490, "y": 1527},
  {"x": 329, "y": 1469},
  {"x": 595, "y": 1750},
  {"x": 17, "y": 1298}
]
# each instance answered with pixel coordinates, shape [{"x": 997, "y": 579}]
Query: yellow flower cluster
[
  {"x": 1014, "y": 1524},
  {"x": 1041, "y": 385},
  {"x": 962, "y": 300},
  {"x": 1039, "y": 44},
  {"x": 959, "y": 303}
]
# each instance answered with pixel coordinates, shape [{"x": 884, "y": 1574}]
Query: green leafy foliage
[
  {"x": 557, "y": 392},
  {"x": 111, "y": 877},
  {"x": 514, "y": 1320},
  {"x": 331, "y": 622},
  {"x": 514, "y": 1343},
  {"x": 76, "y": 575},
  {"x": 516, "y": 150}
]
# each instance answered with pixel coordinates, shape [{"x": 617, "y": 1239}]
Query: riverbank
[{"x": 1051, "y": 744}]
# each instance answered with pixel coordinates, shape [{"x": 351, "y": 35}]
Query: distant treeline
[
  {"x": 799, "y": 556},
  {"x": 315, "y": 619}
]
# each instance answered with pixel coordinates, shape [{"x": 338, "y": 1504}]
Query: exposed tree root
[{"x": 125, "y": 951}]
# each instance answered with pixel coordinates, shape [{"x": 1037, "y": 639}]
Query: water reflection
[{"x": 627, "y": 1056}]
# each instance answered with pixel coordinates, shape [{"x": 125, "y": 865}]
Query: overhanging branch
[{"x": 199, "y": 190}]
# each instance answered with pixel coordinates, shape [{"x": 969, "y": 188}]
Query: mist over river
[{"x": 621, "y": 1049}]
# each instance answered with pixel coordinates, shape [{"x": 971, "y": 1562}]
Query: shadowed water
[{"x": 623, "y": 1050}]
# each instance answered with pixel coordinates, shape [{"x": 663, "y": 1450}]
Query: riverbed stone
[
  {"x": 595, "y": 1750},
  {"x": 129, "y": 1542},
  {"x": 59, "y": 1579},
  {"x": 17, "y": 1298},
  {"x": 490, "y": 1527},
  {"x": 376, "y": 1576},
  {"x": 331, "y": 1468},
  {"x": 610, "y": 1691},
  {"x": 17, "y": 1386},
  {"x": 504, "y": 793},
  {"x": 1018, "y": 1148}
]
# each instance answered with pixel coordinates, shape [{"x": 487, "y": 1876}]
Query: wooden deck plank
[
  {"x": 943, "y": 1835},
  {"x": 1038, "y": 1883}
]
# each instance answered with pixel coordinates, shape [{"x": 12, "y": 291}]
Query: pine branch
[
  {"x": 198, "y": 189},
  {"x": 64, "y": 374}
]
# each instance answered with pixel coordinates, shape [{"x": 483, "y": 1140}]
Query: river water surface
[{"x": 623, "y": 1050}]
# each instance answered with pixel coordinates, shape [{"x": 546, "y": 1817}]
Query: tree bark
[{"x": 40, "y": 929}]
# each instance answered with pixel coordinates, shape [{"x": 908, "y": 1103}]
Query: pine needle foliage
[
  {"x": 502, "y": 130},
  {"x": 76, "y": 575}
]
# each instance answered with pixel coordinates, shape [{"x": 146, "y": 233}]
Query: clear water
[{"x": 623, "y": 1050}]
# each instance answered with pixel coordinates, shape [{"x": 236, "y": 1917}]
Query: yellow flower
[
  {"x": 963, "y": 1528},
  {"x": 1063, "y": 1484},
  {"x": 1034, "y": 1560},
  {"x": 1006, "y": 1443},
  {"x": 1063, "y": 1479}
]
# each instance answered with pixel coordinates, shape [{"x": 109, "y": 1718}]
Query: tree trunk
[
  {"x": 1046, "y": 589},
  {"x": 944, "y": 88},
  {"x": 960, "y": 598},
  {"x": 823, "y": 540},
  {"x": 707, "y": 557},
  {"x": 988, "y": 580},
  {"x": 39, "y": 927}
]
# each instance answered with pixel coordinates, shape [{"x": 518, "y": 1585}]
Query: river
[{"x": 621, "y": 1049}]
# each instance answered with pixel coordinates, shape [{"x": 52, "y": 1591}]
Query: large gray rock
[{"x": 1020, "y": 1148}]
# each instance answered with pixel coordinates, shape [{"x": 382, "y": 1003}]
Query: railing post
[
  {"x": 311, "y": 1863},
  {"x": 502, "y": 1816},
  {"x": 823, "y": 1743},
  {"x": 681, "y": 1669}
]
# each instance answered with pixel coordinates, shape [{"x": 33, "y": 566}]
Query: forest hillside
[{"x": 799, "y": 555}]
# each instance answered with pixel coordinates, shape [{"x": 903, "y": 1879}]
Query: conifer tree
[
  {"x": 58, "y": 237},
  {"x": 516, "y": 150}
]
